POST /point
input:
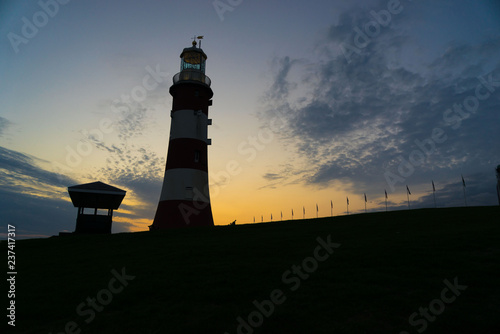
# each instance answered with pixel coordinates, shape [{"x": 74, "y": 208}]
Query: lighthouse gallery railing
[{"x": 188, "y": 75}]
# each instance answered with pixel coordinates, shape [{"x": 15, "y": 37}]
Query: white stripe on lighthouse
[
  {"x": 189, "y": 124},
  {"x": 185, "y": 184}
]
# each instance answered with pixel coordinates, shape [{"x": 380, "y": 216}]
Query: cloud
[
  {"x": 21, "y": 172},
  {"x": 139, "y": 170},
  {"x": 281, "y": 86},
  {"x": 131, "y": 123},
  {"x": 134, "y": 112},
  {"x": 284, "y": 174},
  {"x": 4, "y": 124},
  {"x": 35, "y": 216},
  {"x": 31, "y": 198},
  {"x": 355, "y": 121}
]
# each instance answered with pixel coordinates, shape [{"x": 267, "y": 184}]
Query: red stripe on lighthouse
[
  {"x": 191, "y": 96},
  {"x": 187, "y": 153}
]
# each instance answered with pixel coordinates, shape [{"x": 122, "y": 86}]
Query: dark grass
[{"x": 201, "y": 280}]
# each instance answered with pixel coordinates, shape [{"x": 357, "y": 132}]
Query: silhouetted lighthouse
[{"x": 185, "y": 199}]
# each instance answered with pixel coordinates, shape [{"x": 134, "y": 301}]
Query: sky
[{"x": 314, "y": 103}]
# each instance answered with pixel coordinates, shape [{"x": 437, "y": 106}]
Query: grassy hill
[{"x": 388, "y": 268}]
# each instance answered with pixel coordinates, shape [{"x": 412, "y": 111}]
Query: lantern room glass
[{"x": 193, "y": 60}]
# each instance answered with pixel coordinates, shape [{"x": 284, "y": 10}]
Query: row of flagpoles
[{"x": 408, "y": 193}]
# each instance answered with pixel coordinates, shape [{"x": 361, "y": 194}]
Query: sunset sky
[{"x": 313, "y": 102}]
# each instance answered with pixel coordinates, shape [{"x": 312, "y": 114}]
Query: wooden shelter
[{"x": 90, "y": 199}]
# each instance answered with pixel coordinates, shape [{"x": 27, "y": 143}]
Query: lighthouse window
[
  {"x": 196, "y": 156},
  {"x": 189, "y": 66},
  {"x": 191, "y": 61}
]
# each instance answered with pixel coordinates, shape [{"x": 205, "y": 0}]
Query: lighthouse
[{"x": 185, "y": 198}]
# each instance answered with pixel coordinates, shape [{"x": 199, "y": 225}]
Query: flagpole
[
  {"x": 385, "y": 191},
  {"x": 408, "y": 195},
  {"x": 434, "y": 194},
  {"x": 365, "y": 203},
  {"x": 463, "y": 184}
]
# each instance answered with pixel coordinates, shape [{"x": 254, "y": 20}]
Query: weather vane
[{"x": 194, "y": 40}]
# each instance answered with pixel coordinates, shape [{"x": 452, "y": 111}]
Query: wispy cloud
[
  {"x": 4, "y": 124},
  {"x": 132, "y": 123},
  {"x": 21, "y": 171},
  {"x": 140, "y": 171},
  {"x": 32, "y": 198}
]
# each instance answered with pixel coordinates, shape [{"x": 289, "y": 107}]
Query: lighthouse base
[{"x": 179, "y": 213}]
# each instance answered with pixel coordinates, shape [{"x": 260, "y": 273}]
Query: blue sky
[{"x": 304, "y": 120}]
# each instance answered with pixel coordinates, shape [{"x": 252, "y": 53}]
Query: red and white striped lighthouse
[{"x": 185, "y": 198}]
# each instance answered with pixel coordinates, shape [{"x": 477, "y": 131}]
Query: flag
[
  {"x": 365, "y": 198},
  {"x": 271, "y": 216},
  {"x": 385, "y": 191},
  {"x": 254, "y": 219},
  {"x": 408, "y": 190},
  {"x": 433, "y": 188},
  {"x": 303, "y": 210},
  {"x": 347, "y": 200},
  {"x": 200, "y": 37},
  {"x": 281, "y": 214},
  {"x": 331, "y": 204},
  {"x": 292, "y": 212},
  {"x": 463, "y": 181},
  {"x": 316, "y": 207}
]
